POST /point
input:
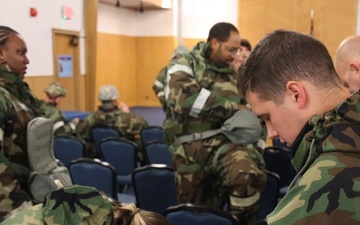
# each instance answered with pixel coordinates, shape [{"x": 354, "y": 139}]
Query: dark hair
[
  {"x": 284, "y": 56},
  {"x": 129, "y": 214},
  {"x": 245, "y": 43},
  {"x": 4, "y": 34},
  {"x": 221, "y": 31}
]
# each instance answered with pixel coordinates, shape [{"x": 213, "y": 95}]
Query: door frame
[{"x": 76, "y": 60}]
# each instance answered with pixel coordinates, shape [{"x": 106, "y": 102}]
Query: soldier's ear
[
  {"x": 2, "y": 53},
  {"x": 214, "y": 43},
  {"x": 296, "y": 91},
  {"x": 354, "y": 66}
]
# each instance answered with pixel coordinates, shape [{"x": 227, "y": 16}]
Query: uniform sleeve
[
  {"x": 187, "y": 97},
  {"x": 83, "y": 128},
  {"x": 10, "y": 190},
  {"x": 60, "y": 124},
  {"x": 158, "y": 87},
  {"x": 130, "y": 125},
  {"x": 136, "y": 124}
]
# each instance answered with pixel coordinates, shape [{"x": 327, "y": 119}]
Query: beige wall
[
  {"x": 115, "y": 64},
  {"x": 38, "y": 84},
  {"x": 334, "y": 20},
  {"x": 133, "y": 63}
]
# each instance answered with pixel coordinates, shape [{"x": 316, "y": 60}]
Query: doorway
[{"x": 67, "y": 66}]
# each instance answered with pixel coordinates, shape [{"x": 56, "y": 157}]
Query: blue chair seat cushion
[
  {"x": 124, "y": 179},
  {"x": 126, "y": 198}
]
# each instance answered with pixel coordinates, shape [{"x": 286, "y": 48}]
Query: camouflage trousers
[{"x": 215, "y": 171}]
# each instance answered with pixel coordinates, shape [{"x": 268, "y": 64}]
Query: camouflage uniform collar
[
  {"x": 108, "y": 110},
  {"x": 6, "y": 75},
  {"x": 203, "y": 50},
  {"x": 14, "y": 84},
  {"x": 52, "y": 104},
  {"x": 330, "y": 132}
]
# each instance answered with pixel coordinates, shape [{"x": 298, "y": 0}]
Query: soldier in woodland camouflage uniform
[
  {"x": 82, "y": 205},
  {"x": 290, "y": 81},
  {"x": 210, "y": 169},
  {"x": 162, "y": 92},
  {"x": 109, "y": 114},
  {"x": 18, "y": 106},
  {"x": 55, "y": 92}
]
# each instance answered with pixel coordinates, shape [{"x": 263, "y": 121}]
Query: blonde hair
[{"x": 129, "y": 214}]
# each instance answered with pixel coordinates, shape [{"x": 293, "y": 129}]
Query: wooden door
[{"x": 67, "y": 67}]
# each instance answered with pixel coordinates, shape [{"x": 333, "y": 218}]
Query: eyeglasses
[{"x": 234, "y": 51}]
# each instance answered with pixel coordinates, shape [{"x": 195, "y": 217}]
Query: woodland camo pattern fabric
[
  {"x": 202, "y": 96},
  {"x": 74, "y": 205},
  {"x": 327, "y": 190}
]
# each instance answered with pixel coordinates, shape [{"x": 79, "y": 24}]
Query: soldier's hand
[
  {"x": 124, "y": 107},
  {"x": 75, "y": 121}
]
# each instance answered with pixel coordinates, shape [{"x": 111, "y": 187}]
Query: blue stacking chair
[
  {"x": 100, "y": 132},
  {"x": 157, "y": 152},
  {"x": 151, "y": 133},
  {"x": 269, "y": 198},
  {"x": 190, "y": 214},
  {"x": 122, "y": 155},
  {"x": 154, "y": 187},
  {"x": 98, "y": 174},
  {"x": 68, "y": 148}
]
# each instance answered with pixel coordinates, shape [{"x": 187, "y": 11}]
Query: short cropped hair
[
  {"x": 221, "y": 31},
  {"x": 245, "y": 43},
  {"x": 284, "y": 56}
]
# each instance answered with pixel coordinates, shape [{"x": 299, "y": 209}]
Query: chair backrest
[
  {"x": 278, "y": 160},
  {"x": 94, "y": 173},
  {"x": 154, "y": 187},
  {"x": 151, "y": 133},
  {"x": 157, "y": 152},
  {"x": 120, "y": 153},
  {"x": 197, "y": 215},
  {"x": 68, "y": 148},
  {"x": 269, "y": 198},
  {"x": 100, "y": 132}
]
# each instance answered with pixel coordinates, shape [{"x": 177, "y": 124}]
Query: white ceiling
[{"x": 131, "y": 4}]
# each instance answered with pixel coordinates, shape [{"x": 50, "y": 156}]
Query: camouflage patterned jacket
[
  {"x": 61, "y": 124},
  {"x": 128, "y": 124},
  {"x": 201, "y": 94},
  {"x": 17, "y": 107},
  {"x": 327, "y": 190},
  {"x": 74, "y": 205},
  {"x": 159, "y": 85}
]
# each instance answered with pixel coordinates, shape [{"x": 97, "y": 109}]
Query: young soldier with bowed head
[{"x": 290, "y": 82}]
